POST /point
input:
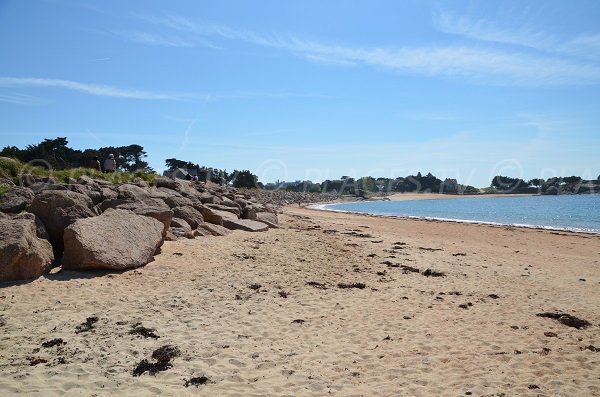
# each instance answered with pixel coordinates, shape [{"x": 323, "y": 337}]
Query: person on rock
[
  {"x": 110, "y": 165},
  {"x": 95, "y": 164}
]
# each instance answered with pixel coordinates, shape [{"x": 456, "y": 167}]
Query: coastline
[
  {"x": 435, "y": 196},
  {"x": 329, "y": 303}
]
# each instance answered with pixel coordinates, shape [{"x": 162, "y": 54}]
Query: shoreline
[{"x": 435, "y": 196}]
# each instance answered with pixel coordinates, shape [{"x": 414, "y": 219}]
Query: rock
[
  {"x": 180, "y": 223},
  {"x": 249, "y": 213},
  {"x": 214, "y": 216},
  {"x": 16, "y": 200},
  {"x": 166, "y": 182},
  {"x": 139, "y": 182},
  {"x": 116, "y": 203},
  {"x": 39, "y": 187},
  {"x": 148, "y": 196},
  {"x": 170, "y": 236},
  {"x": 268, "y": 218},
  {"x": 181, "y": 232},
  {"x": 245, "y": 224},
  {"x": 116, "y": 240},
  {"x": 160, "y": 214},
  {"x": 40, "y": 229},
  {"x": 192, "y": 216},
  {"x": 208, "y": 198},
  {"x": 241, "y": 202},
  {"x": 215, "y": 230},
  {"x": 57, "y": 210},
  {"x": 234, "y": 210},
  {"x": 201, "y": 232},
  {"x": 108, "y": 193},
  {"x": 23, "y": 255},
  {"x": 178, "y": 201},
  {"x": 86, "y": 180}
]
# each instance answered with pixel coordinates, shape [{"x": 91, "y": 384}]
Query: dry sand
[{"x": 222, "y": 302}]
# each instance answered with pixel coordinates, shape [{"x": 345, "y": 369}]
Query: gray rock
[
  {"x": 162, "y": 215},
  {"x": 16, "y": 200},
  {"x": 245, "y": 224},
  {"x": 23, "y": 255},
  {"x": 58, "y": 209},
  {"x": 249, "y": 213},
  {"x": 234, "y": 210},
  {"x": 189, "y": 214},
  {"x": 116, "y": 240},
  {"x": 166, "y": 182},
  {"x": 215, "y": 230},
  {"x": 181, "y": 232},
  {"x": 180, "y": 223},
  {"x": 178, "y": 201},
  {"x": 268, "y": 218}
]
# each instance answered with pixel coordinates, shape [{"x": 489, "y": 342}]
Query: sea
[{"x": 578, "y": 213}]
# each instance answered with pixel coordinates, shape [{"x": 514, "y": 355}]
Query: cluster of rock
[
  {"x": 281, "y": 198},
  {"x": 93, "y": 224}
]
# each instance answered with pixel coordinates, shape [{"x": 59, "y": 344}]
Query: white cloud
[
  {"x": 20, "y": 99},
  {"x": 471, "y": 63},
  {"x": 584, "y": 45},
  {"x": 92, "y": 89}
]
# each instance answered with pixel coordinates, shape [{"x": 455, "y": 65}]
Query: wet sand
[{"x": 330, "y": 304}]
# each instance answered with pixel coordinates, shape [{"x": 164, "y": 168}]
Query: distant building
[
  {"x": 450, "y": 186},
  {"x": 180, "y": 173}
]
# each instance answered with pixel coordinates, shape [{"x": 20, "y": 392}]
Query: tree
[
  {"x": 245, "y": 179},
  {"x": 536, "y": 182}
]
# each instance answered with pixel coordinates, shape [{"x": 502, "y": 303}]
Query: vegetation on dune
[
  {"x": 55, "y": 154},
  {"x": 14, "y": 170}
]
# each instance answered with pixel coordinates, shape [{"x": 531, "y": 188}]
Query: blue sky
[{"x": 312, "y": 89}]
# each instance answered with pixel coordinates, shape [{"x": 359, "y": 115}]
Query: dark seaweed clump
[
  {"x": 87, "y": 326},
  {"x": 566, "y": 319}
]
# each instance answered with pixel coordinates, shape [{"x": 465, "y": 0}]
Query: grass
[{"x": 14, "y": 169}]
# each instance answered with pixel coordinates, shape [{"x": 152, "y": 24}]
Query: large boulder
[
  {"x": 249, "y": 212},
  {"x": 189, "y": 214},
  {"x": 215, "y": 230},
  {"x": 169, "y": 183},
  {"x": 178, "y": 201},
  {"x": 268, "y": 218},
  {"x": 23, "y": 255},
  {"x": 245, "y": 224},
  {"x": 160, "y": 214},
  {"x": 58, "y": 209},
  {"x": 116, "y": 240},
  {"x": 214, "y": 216},
  {"x": 16, "y": 200},
  {"x": 234, "y": 210}
]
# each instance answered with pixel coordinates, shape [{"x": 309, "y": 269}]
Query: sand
[{"x": 241, "y": 313}]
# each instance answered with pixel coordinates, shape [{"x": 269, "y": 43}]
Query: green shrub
[{"x": 12, "y": 169}]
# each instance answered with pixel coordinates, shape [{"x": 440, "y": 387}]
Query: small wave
[{"x": 329, "y": 207}]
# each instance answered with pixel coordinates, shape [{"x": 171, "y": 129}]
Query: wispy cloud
[
  {"x": 585, "y": 45},
  {"x": 20, "y": 99},
  {"x": 92, "y": 89},
  {"x": 164, "y": 40},
  {"x": 472, "y": 63}
]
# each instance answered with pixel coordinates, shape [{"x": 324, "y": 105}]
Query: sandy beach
[{"x": 329, "y": 304}]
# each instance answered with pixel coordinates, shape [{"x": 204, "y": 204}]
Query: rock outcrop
[
  {"x": 116, "y": 240},
  {"x": 23, "y": 255},
  {"x": 16, "y": 200},
  {"x": 247, "y": 225},
  {"x": 58, "y": 209},
  {"x": 94, "y": 224}
]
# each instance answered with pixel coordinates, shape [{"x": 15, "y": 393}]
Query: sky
[{"x": 295, "y": 90}]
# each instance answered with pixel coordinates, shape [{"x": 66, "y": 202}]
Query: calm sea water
[{"x": 577, "y": 213}]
